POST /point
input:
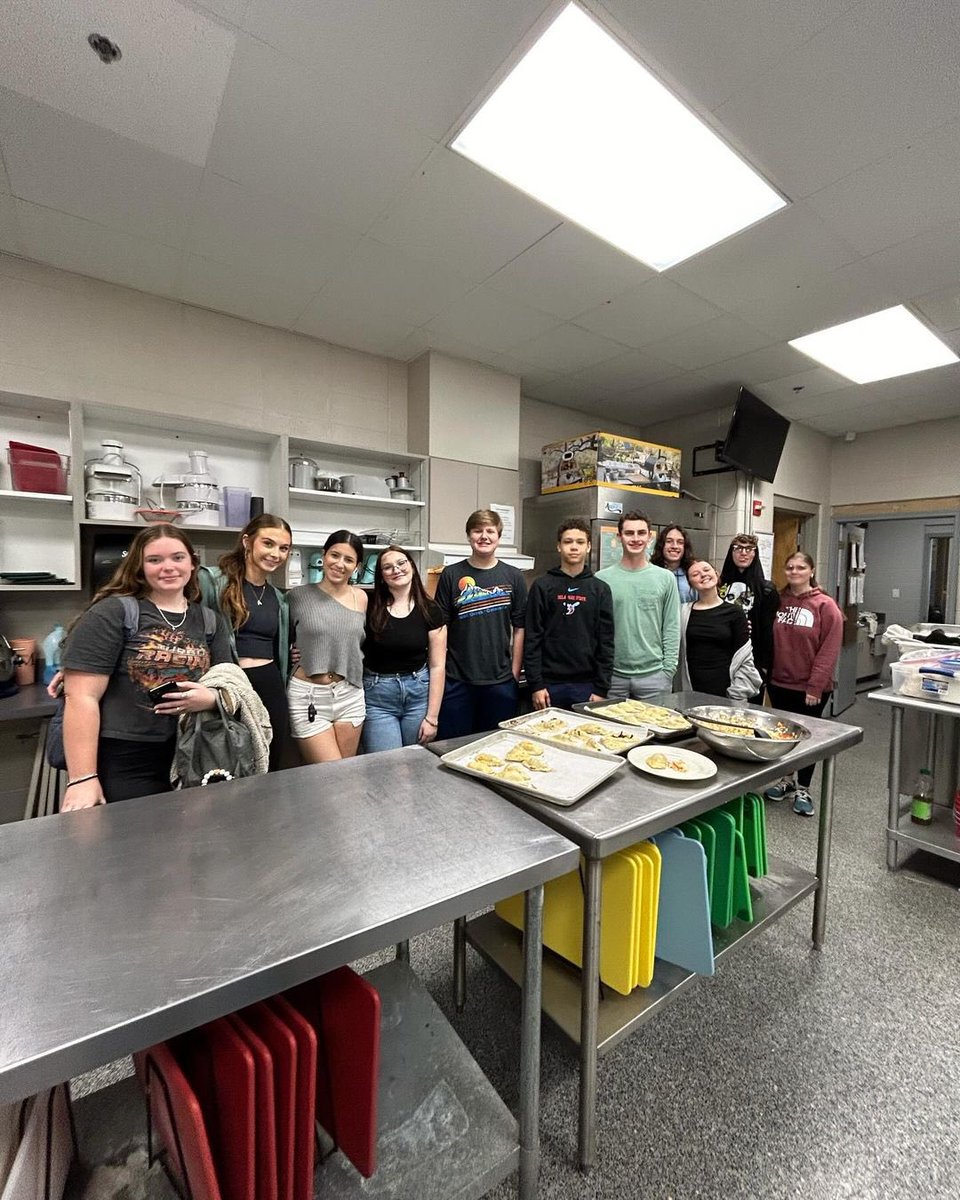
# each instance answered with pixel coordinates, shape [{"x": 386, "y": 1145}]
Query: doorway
[{"x": 787, "y": 539}]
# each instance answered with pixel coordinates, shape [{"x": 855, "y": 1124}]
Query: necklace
[
  {"x": 164, "y": 618},
  {"x": 259, "y": 599}
]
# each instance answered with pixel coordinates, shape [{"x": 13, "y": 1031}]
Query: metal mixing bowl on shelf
[{"x": 784, "y": 736}]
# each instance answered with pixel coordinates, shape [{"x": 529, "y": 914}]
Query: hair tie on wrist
[{"x": 82, "y": 779}]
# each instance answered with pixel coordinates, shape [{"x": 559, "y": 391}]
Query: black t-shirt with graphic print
[{"x": 153, "y": 655}]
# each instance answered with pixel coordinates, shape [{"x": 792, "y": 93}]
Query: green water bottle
[{"x": 921, "y": 803}]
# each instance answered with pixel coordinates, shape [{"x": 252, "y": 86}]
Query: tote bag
[{"x": 212, "y": 748}]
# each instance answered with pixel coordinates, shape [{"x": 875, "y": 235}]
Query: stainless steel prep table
[
  {"x": 626, "y": 809},
  {"x": 130, "y": 923},
  {"x": 938, "y": 838}
]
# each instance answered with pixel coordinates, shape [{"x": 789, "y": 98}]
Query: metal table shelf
[
  {"x": 938, "y": 838},
  {"x": 618, "y": 1015},
  {"x": 628, "y": 808},
  {"x": 131, "y": 923}
]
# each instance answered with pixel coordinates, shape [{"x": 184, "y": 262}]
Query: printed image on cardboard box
[{"x": 610, "y": 460}]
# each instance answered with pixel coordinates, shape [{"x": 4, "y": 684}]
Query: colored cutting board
[
  {"x": 706, "y": 834},
  {"x": 220, "y": 1069},
  {"x": 721, "y": 898},
  {"x": 742, "y": 901},
  {"x": 305, "y": 1093},
  {"x": 176, "y": 1117},
  {"x": 752, "y": 837},
  {"x": 684, "y": 935},
  {"x": 265, "y": 1127},
  {"x": 649, "y": 904},
  {"x": 282, "y": 1044},
  {"x": 619, "y": 917}
]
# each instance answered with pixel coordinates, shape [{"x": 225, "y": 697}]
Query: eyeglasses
[
  {"x": 743, "y": 547},
  {"x": 395, "y": 568}
]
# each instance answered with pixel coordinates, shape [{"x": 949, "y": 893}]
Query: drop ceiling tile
[
  {"x": 876, "y": 77},
  {"x": 249, "y": 294},
  {"x": 568, "y": 272},
  {"x": 438, "y": 57},
  {"x": 772, "y": 362},
  {"x": 917, "y": 192},
  {"x": 720, "y": 60},
  {"x": 648, "y": 313},
  {"x": 568, "y": 348},
  {"x": 390, "y": 286},
  {"x": 63, "y": 163},
  {"x": 941, "y": 309},
  {"x": 229, "y": 10},
  {"x": 814, "y": 381},
  {"x": 566, "y": 392},
  {"x": 5, "y": 188},
  {"x": 283, "y": 132},
  {"x": 9, "y": 230},
  {"x": 456, "y": 214},
  {"x": 921, "y": 264},
  {"x": 492, "y": 321},
  {"x": 712, "y": 342},
  {"x": 425, "y": 338},
  {"x": 627, "y": 372},
  {"x": 259, "y": 233},
  {"x": 791, "y": 246},
  {"x": 73, "y": 244},
  {"x": 164, "y": 92}
]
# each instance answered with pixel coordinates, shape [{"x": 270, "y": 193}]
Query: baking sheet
[
  {"x": 638, "y": 734},
  {"x": 573, "y": 772},
  {"x": 600, "y": 707}
]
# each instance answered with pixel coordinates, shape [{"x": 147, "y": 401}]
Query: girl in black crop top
[{"x": 404, "y": 655}]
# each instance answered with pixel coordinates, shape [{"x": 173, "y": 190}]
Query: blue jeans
[
  {"x": 639, "y": 687},
  {"x": 396, "y": 706},
  {"x": 476, "y": 707},
  {"x": 566, "y": 695}
]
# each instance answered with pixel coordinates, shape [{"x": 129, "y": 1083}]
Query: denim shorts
[{"x": 332, "y": 702}]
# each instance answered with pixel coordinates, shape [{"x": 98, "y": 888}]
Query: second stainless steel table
[
  {"x": 628, "y": 808},
  {"x": 128, "y": 924}
]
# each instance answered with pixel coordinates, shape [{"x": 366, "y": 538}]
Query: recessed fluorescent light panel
[
  {"x": 582, "y": 127},
  {"x": 879, "y": 346}
]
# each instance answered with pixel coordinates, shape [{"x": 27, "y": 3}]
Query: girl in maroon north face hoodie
[{"x": 807, "y": 630}]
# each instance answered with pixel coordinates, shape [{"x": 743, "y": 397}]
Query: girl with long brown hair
[
  {"x": 404, "y": 656},
  {"x": 126, "y": 688},
  {"x": 257, "y": 613}
]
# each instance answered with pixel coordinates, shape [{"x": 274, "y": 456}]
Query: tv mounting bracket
[{"x": 717, "y": 465}]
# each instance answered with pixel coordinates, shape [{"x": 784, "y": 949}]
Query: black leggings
[
  {"x": 128, "y": 769},
  {"x": 793, "y": 701},
  {"x": 267, "y": 682}
]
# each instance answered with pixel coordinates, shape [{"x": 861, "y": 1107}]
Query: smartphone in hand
[{"x": 168, "y": 688}]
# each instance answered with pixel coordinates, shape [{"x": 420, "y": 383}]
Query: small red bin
[{"x": 37, "y": 469}]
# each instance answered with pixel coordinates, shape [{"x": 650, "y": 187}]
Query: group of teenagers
[{"x": 337, "y": 667}]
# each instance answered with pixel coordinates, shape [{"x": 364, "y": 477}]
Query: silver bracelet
[{"x": 82, "y": 779}]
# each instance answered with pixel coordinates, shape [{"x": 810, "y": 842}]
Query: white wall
[
  {"x": 474, "y": 413},
  {"x": 66, "y": 336},
  {"x": 910, "y": 462}
]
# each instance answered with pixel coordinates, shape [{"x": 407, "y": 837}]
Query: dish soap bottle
[
  {"x": 52, "y": 650},
  {"x": 921, "y": 804}
]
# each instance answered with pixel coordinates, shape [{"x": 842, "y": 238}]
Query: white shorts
[{"x": 331, "y": 702}]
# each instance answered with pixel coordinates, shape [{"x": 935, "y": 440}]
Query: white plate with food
[
  {"x": 573, "y": 731},
  {"x": 664, "y": 722},
  {"x": 673, "y": 762},
  {"x": 560, "y": 775}
]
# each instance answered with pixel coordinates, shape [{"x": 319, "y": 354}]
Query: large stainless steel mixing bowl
[{"x": 750, "y": 748}]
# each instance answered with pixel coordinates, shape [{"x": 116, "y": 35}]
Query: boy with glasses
[
  {"x": 484, "y": 604},
  {"x": 646, "y": 610}
]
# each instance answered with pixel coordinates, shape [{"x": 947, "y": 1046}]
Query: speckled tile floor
[{"x": 792, "y": 1073}]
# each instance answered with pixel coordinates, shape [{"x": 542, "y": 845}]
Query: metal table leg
[
  {"x": 530, "y": 1042},
  {"x": 403, "y": 951},
  {"x": 460, "y": 963},
  {"x": 893, "y": 784},
  {"x": 589, "y": 1005},
  {"x": 823, "y": 851}
]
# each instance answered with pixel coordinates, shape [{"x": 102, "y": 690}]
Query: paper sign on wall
[
  {"x": 765, "y": 553},
  {"x": 508, "y": 515}
]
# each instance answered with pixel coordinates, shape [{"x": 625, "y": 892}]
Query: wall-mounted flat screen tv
[{"x": 755, "y": 438}]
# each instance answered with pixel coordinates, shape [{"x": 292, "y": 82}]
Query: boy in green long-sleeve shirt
[{"x": 646, "y": 609}]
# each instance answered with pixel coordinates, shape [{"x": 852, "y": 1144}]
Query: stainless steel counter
[
  {"x": 127, "y": 924},
  {"x": 30, "y": 701},
  {"x": 629, "y": 807},
  {"x": 939, "y": 837}
]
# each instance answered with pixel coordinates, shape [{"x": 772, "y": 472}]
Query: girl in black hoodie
[{"x": 742, "y": 582}]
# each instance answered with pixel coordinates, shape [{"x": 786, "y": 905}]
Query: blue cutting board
[{"x": 684, "y": 936}]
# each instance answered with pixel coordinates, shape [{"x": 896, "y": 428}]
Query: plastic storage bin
[{"x": 37, "y": 469}]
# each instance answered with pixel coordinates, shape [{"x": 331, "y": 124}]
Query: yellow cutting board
[
  {"x": 649, "y": 903},
  {"x": 618, "y": 922},
  {"x": 642, "y": 868}
]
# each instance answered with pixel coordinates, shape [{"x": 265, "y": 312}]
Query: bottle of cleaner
[{"x": 52, "y": 651}]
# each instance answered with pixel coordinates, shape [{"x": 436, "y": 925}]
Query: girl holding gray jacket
[{"x": 716, "y": 654}]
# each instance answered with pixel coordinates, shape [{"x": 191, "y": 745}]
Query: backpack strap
[
  {"x": 131, "y": 616},
  {"x": 209, "y": 624}
]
